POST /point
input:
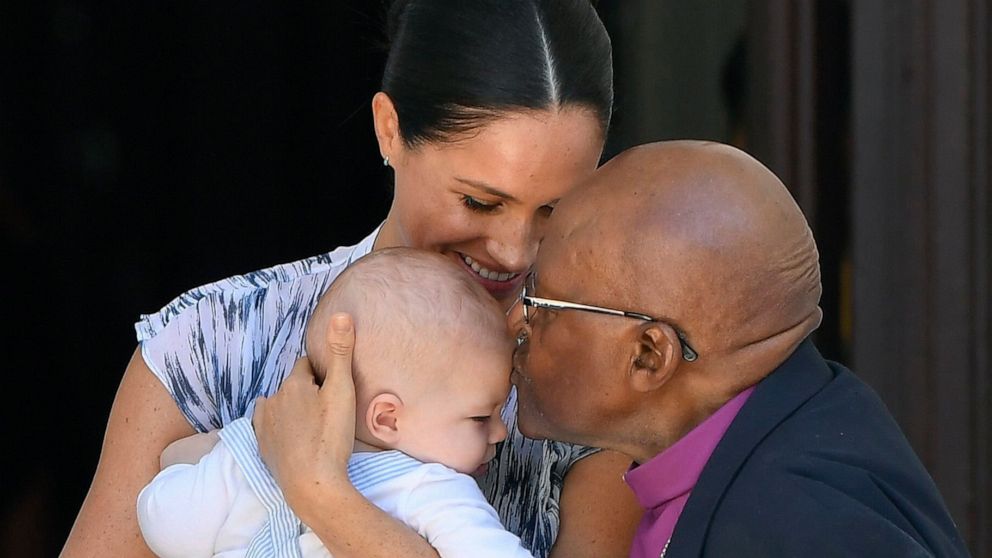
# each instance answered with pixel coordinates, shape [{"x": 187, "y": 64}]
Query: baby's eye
[
  {"x": 477, "y": 205},
  {"x": 481, "y": 419}
]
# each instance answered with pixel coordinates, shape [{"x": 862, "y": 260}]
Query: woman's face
[{"x": 484, "y": 200}]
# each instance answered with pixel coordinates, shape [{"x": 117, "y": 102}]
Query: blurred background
[{"x": 149, "y": 147}]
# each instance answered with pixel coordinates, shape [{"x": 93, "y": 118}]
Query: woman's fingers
[
  {"x": 301, "y": 375},
  {"x": 306, "y": 434},
  {"x": 288, "y": 404},
  {"x": 338, "y": 386},
  {"x": 341, "y": 337},
  {"x": 337, "y": 394}
]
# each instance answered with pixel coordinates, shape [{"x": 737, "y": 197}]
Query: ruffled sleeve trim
[{"x": 219, "y": 346}]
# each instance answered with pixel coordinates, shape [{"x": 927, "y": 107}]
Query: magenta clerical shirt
[{"x": 663, "y": 484}]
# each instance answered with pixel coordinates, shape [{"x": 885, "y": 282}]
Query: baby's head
[{"x": 432, "y": 356}]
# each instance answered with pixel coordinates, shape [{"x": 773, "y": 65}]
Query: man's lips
[
  {"x": 517, "y": 361},
  {"x": 517, "y": 377}
]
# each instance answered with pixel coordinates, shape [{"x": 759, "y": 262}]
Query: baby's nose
[{"x": 498, "y": 432}]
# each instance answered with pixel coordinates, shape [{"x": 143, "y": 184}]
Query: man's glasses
[{"x": 528, "y": 300}]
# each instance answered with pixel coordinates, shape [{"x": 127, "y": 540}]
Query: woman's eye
[
  {"x": 546, "y": 210},
  {"x": 476, "y": 205},
  {"x": 481, "y": 419}
]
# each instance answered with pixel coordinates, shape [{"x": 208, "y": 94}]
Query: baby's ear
[{"x": 380, "y": 418}]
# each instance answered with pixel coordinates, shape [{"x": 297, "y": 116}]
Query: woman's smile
[
  {"x": 500, "y": 284},
  {"x": 487, "y": 273}
]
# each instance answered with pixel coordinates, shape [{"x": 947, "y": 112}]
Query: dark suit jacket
[{"x": 814, "y": 465}]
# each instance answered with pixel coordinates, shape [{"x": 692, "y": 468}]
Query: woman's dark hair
[{"x": 455, "y": 65}]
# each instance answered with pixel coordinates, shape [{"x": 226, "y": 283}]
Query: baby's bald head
[{"x": 413, "y": 311}]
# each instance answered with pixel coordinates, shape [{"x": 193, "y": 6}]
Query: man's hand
[
  {"x": 306, "y": 433},
  {"x": 189, "y": 449}
]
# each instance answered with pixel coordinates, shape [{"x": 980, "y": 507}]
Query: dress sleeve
[
  {"x": 182, "y": 352},
  {"x": 183, "y": 509},
  {"x": 449, "y": 510},
  {"x": 218, "y": 347}
]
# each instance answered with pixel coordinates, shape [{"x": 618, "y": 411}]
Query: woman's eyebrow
[{"x": 486, "y": 188}]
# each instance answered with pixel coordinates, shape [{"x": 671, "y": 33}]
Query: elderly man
[{"x": 667, "y": 318}]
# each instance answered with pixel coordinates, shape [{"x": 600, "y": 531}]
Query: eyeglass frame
[{"x": 528, "y": 301}]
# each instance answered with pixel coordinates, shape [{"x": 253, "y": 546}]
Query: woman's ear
[
  {"x": 387, "y": 126},
  {"x": 656, "y": 356},
  {"x": 381, "y": 418}
]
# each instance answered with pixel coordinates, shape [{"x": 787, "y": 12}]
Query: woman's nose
[{"x": 514, "y": 245}]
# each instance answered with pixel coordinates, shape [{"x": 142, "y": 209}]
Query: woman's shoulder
[{"x": 311, "y": 273}]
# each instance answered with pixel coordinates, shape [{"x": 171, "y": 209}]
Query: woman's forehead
[{"x": 521, "y": 160}]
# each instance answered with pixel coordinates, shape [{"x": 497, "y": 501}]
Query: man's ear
[
  {"x": 386, "y": 122},
  {"x": 657, "y": 354},
  {"x": 381, "y": 418}
]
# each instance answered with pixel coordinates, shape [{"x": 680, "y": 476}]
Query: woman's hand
[{"x": 306, "y": 432}]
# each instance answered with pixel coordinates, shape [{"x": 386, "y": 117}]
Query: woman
[{"x": 489, "y": 112}]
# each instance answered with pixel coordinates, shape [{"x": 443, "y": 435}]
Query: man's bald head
[
  {"x": 702, "y": 234},
  {"x": 698, "y": 236}
]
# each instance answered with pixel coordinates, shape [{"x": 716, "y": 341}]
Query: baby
[{"x": 431, "y": 368}]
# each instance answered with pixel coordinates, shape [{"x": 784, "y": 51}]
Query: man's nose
[{"x": 515, "y": 317}]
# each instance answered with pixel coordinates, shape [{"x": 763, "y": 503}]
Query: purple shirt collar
[{"x": 662, "y": 484}]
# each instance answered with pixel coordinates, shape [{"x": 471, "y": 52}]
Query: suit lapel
[{"x": 776, "y": 397}]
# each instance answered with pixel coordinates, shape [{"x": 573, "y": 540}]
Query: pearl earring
[{"x": 385, "y": 161}]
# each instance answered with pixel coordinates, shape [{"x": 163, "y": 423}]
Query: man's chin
[
  {"x": 534, "y": 434},
  {"x": 530, "y": 428},
  {"x": 541, "y": 430},
  {"x": 531, "y": 422}
]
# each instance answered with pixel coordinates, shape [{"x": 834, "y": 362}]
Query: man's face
[{"x": 570, "y": 369}]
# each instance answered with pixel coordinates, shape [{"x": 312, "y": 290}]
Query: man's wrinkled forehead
[{"x": 571, "y": 258}]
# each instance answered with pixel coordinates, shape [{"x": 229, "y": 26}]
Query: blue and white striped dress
[{"x": 218, "y": 347}]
